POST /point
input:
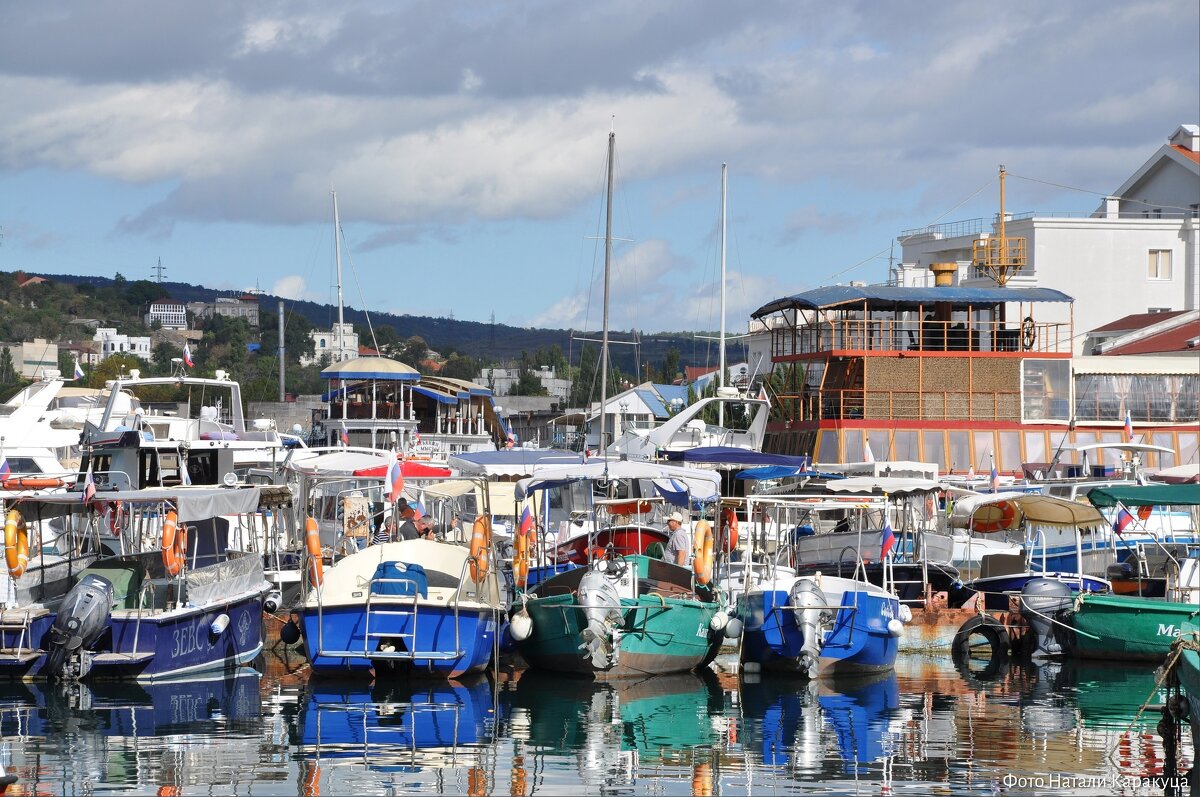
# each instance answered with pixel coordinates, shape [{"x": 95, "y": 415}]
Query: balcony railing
[
  {"x": 899, "y": 405},
  {"x": 885, "y": 335}
]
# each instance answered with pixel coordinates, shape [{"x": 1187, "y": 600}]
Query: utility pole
[
  {"x": 158, "y": 270},
  {"x": 282, "y": 351}
]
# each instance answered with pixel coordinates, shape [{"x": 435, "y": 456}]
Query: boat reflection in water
[
  {"x": 349, "y": 733},
  {"x": 131, "y": 735},
  {"x": 618, "y": 732},
  {"x": 789, "y": 721}
]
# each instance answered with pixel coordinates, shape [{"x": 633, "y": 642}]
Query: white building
[
  {"x": 231, "y": 307},
  {"x": 1139, "y": 252},
  {"x": 113, "y": 343},
  {"x": 169, "y": 315},
  {"x": 332, "y": 347},
  {"x": 503, "y": 380},
  {"x": 33, "y": 358}
]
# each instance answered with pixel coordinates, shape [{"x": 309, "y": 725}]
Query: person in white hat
[{"x": 679, "y": 545}]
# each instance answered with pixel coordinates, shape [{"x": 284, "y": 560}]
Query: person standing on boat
[
  {"x": 679, "y": 543},
  {"x": 408, "y": 529},
  {"x": 385, "y": 531}
]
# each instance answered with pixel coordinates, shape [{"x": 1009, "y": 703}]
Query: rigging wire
[{"x": 1098, "y": 193}]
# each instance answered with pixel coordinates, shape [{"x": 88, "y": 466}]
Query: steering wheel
[{"x": 1028, "y": 332}]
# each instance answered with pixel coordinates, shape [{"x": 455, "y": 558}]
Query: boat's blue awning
[
  {"x": 728, "y": 455},
  {"x": 435, "y": 395},
  {"x": 771, "y": 472},
  {"x": 891, "y": 295}
]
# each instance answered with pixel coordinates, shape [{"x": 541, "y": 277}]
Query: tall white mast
[
  {"x": 721, "y": 374},
  {"x": 337, "y": 256},
  {"x": 612, "y": 143}
]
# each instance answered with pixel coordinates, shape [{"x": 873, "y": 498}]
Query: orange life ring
[
  {"x": 16, "y": 544},
  {"x": 729, "y": 529},
  {"x": 1144, "y": 512},
  {"x": 312, "y": 541},
  {"x": 114, "y": 517},
  {"x": 481, "y": 543},
  {"x": 636, "y": 507},
  {"x": 521, "y": 558},
  {"x": 34, "y": 483},
  {"x": 702, "y": 550},
  {"x": 999, "y": 517},
  {"x": 174, "y": 544}
]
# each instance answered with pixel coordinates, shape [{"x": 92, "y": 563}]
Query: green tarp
[{"x": 1147, "y": 495}]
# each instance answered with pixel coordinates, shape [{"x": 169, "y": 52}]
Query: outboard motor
[
  {"x": 812, "y": 613},
  {"x": 1042, "y": 599},
  {"x": 602, "y": 608},
  {"x": 82, "y": 618}
]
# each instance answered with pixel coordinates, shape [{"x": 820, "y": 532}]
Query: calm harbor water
[{"x": 925, "y": 729}]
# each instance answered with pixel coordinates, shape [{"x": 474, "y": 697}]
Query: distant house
[
  {"x": 503, "y": 380},
  {"x": 32, "y": 359},
  {"x": 337, "y": 345},
  {"x": 113, "y": 343},
  {"x": 87, "y": 352},
  {"x": 168, "y": 314},
  {"x": 244, "y": 306},
  {"x": 1176, "y": 333},
  {"x": 23, "y": 281}
]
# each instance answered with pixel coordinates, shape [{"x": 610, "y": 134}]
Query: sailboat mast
[
  {"x": 337, "y": 256},
  {"x": 721, "y": 348},
  {"x": 612, "y": 143}
]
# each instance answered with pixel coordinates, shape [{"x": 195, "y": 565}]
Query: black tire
[{"x": 980, "y": 648}]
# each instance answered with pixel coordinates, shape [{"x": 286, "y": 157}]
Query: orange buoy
[
  {"x": 312, "y": 541},
  {"x": 174, "y": 544},
  {"x": 481, "y": 544},
  {"x": 702, "y": 550},
  {"x": 521, "y": 558},
  {"x": 729, "y": 529},
  {"x": 16, "y": 544}
]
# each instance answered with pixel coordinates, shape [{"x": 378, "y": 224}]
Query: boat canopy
[
  {"x": 889, "y": 485},
  {"x": 511, "y": 461},
  {"x": 892, "y": 295},
  {"x": 191, "y": 504},
  {"x": 1146, "y": 495},
  {"x": 1178, "y": 474},
  {"x": 378, "y": 368},
  {"x": 730, "y": 455},
  {"x": 1003, "y": 511},
  {"x": 702, "y": 485}
]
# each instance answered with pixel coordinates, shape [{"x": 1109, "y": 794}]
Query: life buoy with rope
[
  {"x": 481, "y": 545},
  {"x": 16, "y": 483},
  {"x": 115, "y": 511},
  {"x": 16, "y": 544},
  {"x": 174, "y": 544},
  {"x": 1028, "y": 332},
  {"x": 729, "y": 530},
  {"x": 521, "y": 558},
  {"x": 702, "y": 552},
  {"x": 312, "y": 542},
  {"x": 999, "y": 517}
]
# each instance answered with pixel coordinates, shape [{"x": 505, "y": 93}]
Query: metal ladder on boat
[{"x": 23, "y": 629}]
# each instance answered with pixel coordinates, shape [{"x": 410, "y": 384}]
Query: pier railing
[
  {"x": 891, "y": 335},
  {"x": 942, "y": 405}
]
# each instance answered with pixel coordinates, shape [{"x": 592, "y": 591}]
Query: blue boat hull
[
  {"x": 339, "y": 630},
  {"x": 859, "y": 641}
]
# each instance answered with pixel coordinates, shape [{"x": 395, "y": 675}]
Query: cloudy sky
[{"x": 466, "y": 141}]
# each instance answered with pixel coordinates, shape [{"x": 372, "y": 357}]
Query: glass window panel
[
  {"x": 1188, "y": 444},
  {"x": 985, "y": 446},
  {"x": 960, "y": 451},
  {"x": 853, "y": 440},
  {"x": 904, "y": 445},
  {"x": 934, "y": 444},
  {"x": 1035, "y": 447},
  {"x": 829, "y": 447},
  {"x": 1010, "y": 451},
  {"x": 1167, "y": 440}
]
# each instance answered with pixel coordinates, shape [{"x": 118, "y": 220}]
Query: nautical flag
[
  {"x": 1123, "y": 520},
  {"x": 762, "y": 391},
  {"x": 887, "y": 540},
  {"x": 995, "y": 479},
  {"x": 395, "y": 479},
  {"x": 587, "y": 453},
  {"x": 78, "y": 369},
  {"x": 418, "y": 509},
  {"x": 1128, "y": 427},
  {"x": 345, "y": 435},
  {"x": 5, "y": 470},
  {"x": 89, "y": 486},
  {"x": 417, "y": 439},
  {"x": 186, "y": 477},
  {"x": 868, "y": 454},
  {"x": 187, "y": 356},
  {"x": 526, "y": 520}
]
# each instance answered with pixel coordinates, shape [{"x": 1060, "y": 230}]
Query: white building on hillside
[
  {"x": 31, "y": 359},
  {"x": 113, "y": 343},
  {"x": 1139, "y": 252},
  {"x": 503, "y": 380},
  {"x": 169, "y": 315},
  {"x": 331, "y": 347}
]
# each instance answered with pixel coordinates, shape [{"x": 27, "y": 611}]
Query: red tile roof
[
  {"x": 1187, "y": 153},
  {"x": 694, "y": 372},
  {"x": 1172, "y": 340},
  {"x": 1137, "y": 321}
]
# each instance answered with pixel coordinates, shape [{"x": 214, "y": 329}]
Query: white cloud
[{"x": 294, "y": 286}]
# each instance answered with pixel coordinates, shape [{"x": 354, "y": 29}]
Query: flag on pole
[
  {"x": 887, "y": 540},
  {"x": 78, "y": 369},
  {"x": 395, "y": 479},
  {"x": 345, "y": 435},
  {"x": 1128, "y": 427},
  {"x": 868, "y": 454},
  {"x": 1123, "y": 520},
  {"x": 526, "y": 520},
  {"x": 89, "y": 486},
  {"x": 5, "y": 470},
  {"x": 187, "y": 356},
  {"x": 994, "y": 479}
]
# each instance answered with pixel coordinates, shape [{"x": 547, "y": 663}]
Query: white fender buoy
[
  {"x": 733, "y": 629},
  {"x": 520, "y": 626},
  {"x": 905, "y": 614},
  {"x": 719, "y": 621},
  {"x": 895, "y": 627},
  {"x": 751, "y": 666},
  {"x": 219, "y": 625}
]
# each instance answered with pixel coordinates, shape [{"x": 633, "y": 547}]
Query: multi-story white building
[
  {"x": 169, "y": 315},
  {"x": 338, "y": 344},
  {"x": 31, "y": 359},
  {"x": 503, "y": 380},
  {"x": 113, "y": 343},
  {"x": 1139, "y": 252},
  {"x": 231, "y": 307}
]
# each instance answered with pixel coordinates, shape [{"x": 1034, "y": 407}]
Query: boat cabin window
[{"x": 23, "y": 465}]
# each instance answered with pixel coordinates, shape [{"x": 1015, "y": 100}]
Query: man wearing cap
[{"x": 679, "y": 545}]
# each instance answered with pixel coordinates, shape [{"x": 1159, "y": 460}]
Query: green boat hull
[
  {"x": 658, "y": 635},
  {"x": 1128, "y": 628}
]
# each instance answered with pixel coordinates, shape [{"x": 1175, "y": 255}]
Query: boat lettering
[
  {"x": 1168, "y": 630},
  {"x": 186, "y": 708},
  {"x": 702, "y": 631},
  {"x": 190, "y": 638}
]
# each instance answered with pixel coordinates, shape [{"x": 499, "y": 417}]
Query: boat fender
[
  {"x": 219, "y": 625},
  {"x": 290, "y": 633},
  {"x": 905, "y": 614},
  {"x": 751, "y": 666},
  {"x": 733, "y": 629},
  {"x": 521, "y": 626},
  {"x": 272, "y": 601},
  {"x": 719, "y": 621},
  {"x": 16, "y": 543},
  {"x": 895, "y": 627}
]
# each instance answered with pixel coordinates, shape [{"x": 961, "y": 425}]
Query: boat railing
[
  {"x": 147, "y": 587},
  {"x": 885, "y": 333}
]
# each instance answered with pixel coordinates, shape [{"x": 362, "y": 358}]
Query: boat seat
[
  {"x": 1001, "y": 564},
  {"x": 400, "y": 579}
]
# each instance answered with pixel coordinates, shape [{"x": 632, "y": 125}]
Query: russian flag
[
  {"x": 1128, "y": 427},
  {"x": 78, "y": 369},
  {"x": 395, "y": 479},
  {"x": 995, "y": 480},
  {"x": 89, "y": 487},
  {"x": 187, "y": 356},
  {"x": 345, "y": 436},
  {"x": 1123, "y": 520},
  {"x": 5, "y": 470},
  {"x": 526, "y": 520},
  {"x": 887, "y": 540}
]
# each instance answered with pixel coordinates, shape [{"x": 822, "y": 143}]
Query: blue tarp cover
[{"x": 728, "y": 455}]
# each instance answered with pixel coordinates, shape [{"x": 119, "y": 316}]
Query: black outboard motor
[
  {"x": 1042, "y": 601},
  {"x": 81, "y": 620}
]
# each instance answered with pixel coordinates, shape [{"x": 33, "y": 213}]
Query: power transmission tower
[{"x": 159, "y": 270}]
